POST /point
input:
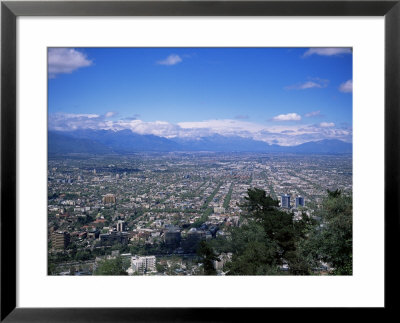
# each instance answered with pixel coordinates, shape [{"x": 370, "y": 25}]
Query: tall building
[
  {"x": 142, "y": 265},
  {"x": 120, "y": 226},
  {"x": 109, "y": 198},
  {"x": 60, "y": 240},
  {"x": 193, "y": 239},
  {"x": 172, "y": 238},
  {"x": 285, "y": 201},
  {"x": 300, "y": 201}
]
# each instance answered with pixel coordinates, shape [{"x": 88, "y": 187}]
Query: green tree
[
  {"x": 82, "y": 220},
  {"x": 268, "y": 239},
  {"x": 72, "y": 271},
  {"x": 82, "y": 255},
  {"x": 207, "y": 258},
  {"x": 280, "y": 229},
  {"x": 253, "y": 252},
  {"x": 301, "y": 260},
  {"x": 51, "y": 268},
  {"x": 109, "y": 267},
  {"x": 160, "y": 268},
  {"x": 334, "y": 239}
]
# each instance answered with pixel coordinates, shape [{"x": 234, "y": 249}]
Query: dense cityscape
[{"x": 149, "y": 212}]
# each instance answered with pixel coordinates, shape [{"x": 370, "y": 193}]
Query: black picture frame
[{"x": 10, "y": 10}]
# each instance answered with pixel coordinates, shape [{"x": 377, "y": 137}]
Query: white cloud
[
  {"x": 346, "y": 87},
  {"x": 71, "y": 121},
  {"x": 157, "y": 128},
  {"x": 326, "y": 124},
  {"x": 65, "y": 61},
  {"x": 82, "y": 115},
  {"x": 334, "y": 51},
  {"x": 285, "y": 135},
  {"x": 110, "y": 114},
  {"x": 313, "y": 114},
  {"x": 170, "y": 60},
  {"x": 313, "y": 83},
  {"x": 227, "y": 127},
  {"x": 309, "y": 85},
  {"x": 287, "y": 117}
]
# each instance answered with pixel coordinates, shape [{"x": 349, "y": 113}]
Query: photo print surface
[{"x": 200, "y": 161}]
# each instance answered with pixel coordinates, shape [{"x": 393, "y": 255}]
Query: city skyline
[{"x": 284, "y": 96}]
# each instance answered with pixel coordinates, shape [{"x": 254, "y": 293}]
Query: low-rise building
[{"x": 114, "y": 237}]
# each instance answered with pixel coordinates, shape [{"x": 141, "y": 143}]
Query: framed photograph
[{"x": 197, "y": 158}]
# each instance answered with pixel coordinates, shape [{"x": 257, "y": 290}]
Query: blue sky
[{"x": 279, "y": 95}]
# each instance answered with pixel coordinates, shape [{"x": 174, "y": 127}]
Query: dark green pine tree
[
  {"x": 207, "y": 258},
  {"x": 335, "y": 238},
  {"x": 267, "y": 239}
]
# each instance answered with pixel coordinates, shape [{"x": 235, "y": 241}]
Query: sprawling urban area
[{"x": 149, "y": 212}]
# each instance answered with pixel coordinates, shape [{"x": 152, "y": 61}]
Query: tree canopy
[
  {"x": 271, "y": 240},
  {"x": 333, "y": 240},
  {"x": 109, "y": 267},
  {"x": 207, "y": 258}
]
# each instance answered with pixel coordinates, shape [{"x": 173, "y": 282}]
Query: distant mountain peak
[{"x": 125, "y": 141}]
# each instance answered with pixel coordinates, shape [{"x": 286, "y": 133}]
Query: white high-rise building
[
  {"x": 120, "y": 226},
  {"x": 142, "y": 265}
]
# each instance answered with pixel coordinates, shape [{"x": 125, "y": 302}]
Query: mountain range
[{"x": 125, "y": 141}]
